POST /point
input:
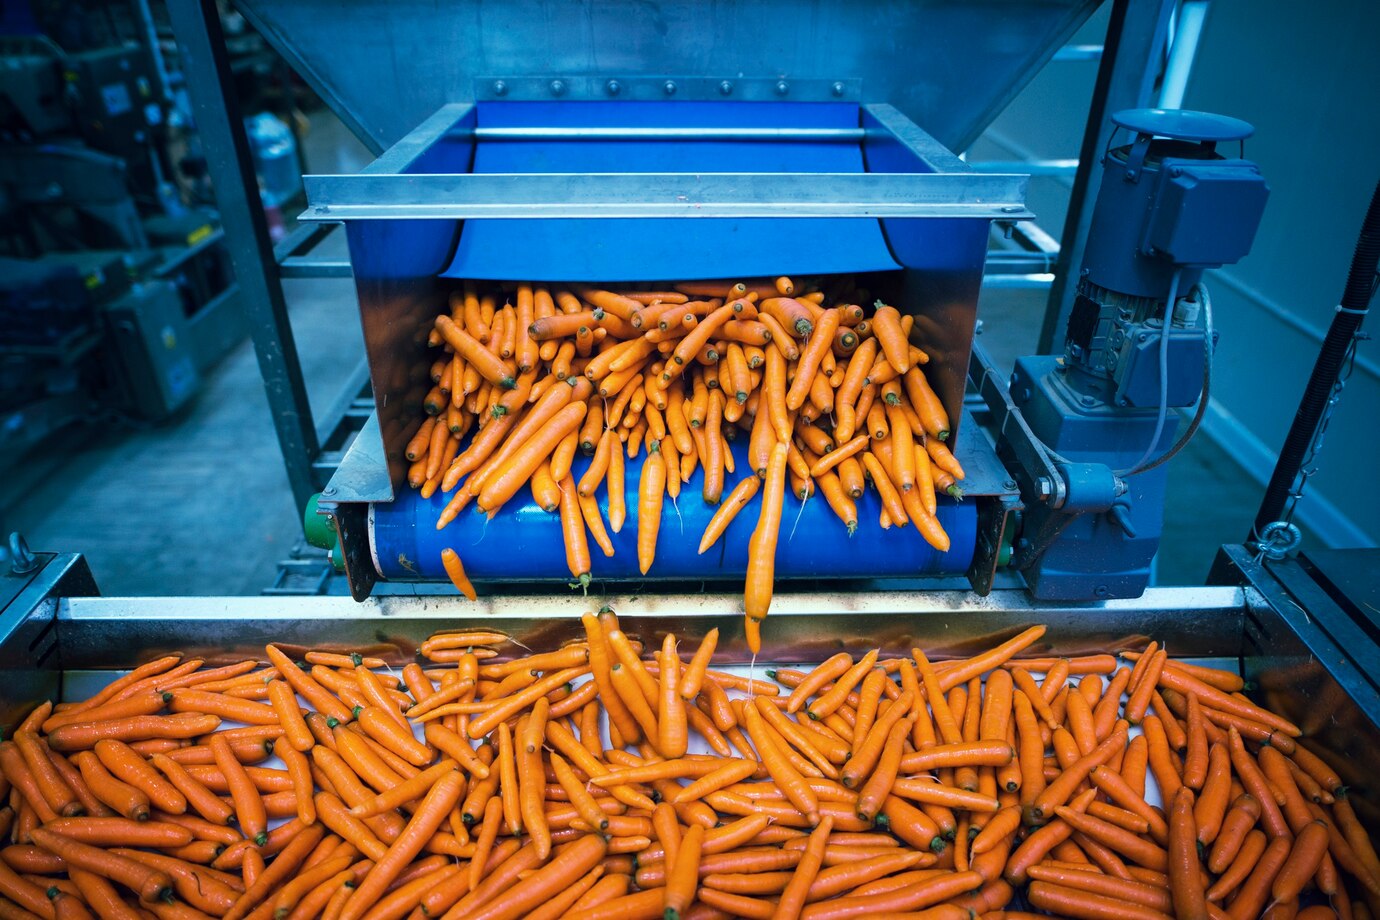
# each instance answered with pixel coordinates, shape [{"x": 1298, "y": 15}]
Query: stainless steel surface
[
  {"x": 841, "y": 135},
  {"x": 118, "y": 632},
  {"x": 206, "y": 69},
  {"x": 362, "y": 475},
  {"x": 613, "y": 195},
  {"x": 949, "y": 65},
  {"x": 30, "y": 657}
]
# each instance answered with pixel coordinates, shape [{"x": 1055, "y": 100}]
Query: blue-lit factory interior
[{"x": 970, "y": 340}]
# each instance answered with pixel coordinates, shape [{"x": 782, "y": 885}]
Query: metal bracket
[
  {"x": 1043, "y": 480},
  {"x": 585, "y": 88}
]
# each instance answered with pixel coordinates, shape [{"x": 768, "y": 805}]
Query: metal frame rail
[{"x": 311, "y": 446}]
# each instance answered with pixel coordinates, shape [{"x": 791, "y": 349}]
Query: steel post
[{"x": 206, "y": 69}]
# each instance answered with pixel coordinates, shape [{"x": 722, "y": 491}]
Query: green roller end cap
[
  {"x": 337, "y": 559},
  {"x": 317, "y": 527}
]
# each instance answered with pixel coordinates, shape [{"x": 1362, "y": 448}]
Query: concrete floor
[{"x": 201, "y": 505}]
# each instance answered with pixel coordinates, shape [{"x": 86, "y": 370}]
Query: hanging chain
[{"x": 1280, "y": 537}]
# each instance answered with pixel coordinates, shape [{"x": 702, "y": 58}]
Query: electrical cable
[
  {"x": 1201, "y": 411},
  {"x": 1163, "y": 414}
]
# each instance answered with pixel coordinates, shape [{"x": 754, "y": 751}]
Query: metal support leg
[
  {"x": 1125, "y": 80},
  {"x": 196, "y": 25}
]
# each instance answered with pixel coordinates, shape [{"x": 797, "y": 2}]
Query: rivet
[
  {"x": 669, "y": 87},
  {"x": 837, "y": 88},
  {"x": 500, "y": 88},
  {"x": 726, "y": 87},
  {"x": 613, "y": 87},
  {"x": 782, "y": 87},
  {"x": 558, "y": 87}
]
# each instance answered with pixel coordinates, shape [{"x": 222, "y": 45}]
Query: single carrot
[
  {"x": 651, "y": 491},
  {"x": 683, "y": 878},
  {"x": 79, "y": 736},
  {"x": 883, "y": 779},
  {"x": 424, "y": 823},
  {"x": 122, "y": 797},
  {"x": 1065, "y": 901},
  {"x": 490, "y": 367},
  {"x": 573, "y": 529},
  {"x": 1254, "y": 893},
  {"x": 307, "y": 687},
  {"x": 762, "y": 546},
  {"x": 1189, "y": 895},
  {"x": 455, "y": 570},
  {"x": 1305, "y": 856},
  {"x": 782, "y": 772},
  {"x": 50, "y": 784},
  {"x": 248, "y": 803},
  {"x": 131, "y": 768},
  {"x": 1058, "y": 792},
  {"x": 150, "y": 884},
  {"x": 728, "y": 509}
]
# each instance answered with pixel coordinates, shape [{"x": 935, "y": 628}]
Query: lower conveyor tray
[{"x": 51, "y": 640}]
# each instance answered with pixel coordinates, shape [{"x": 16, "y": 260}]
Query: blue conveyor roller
[{"x": 523, "y": 542}]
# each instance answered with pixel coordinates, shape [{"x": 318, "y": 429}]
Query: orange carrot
[
  {"x": 762, "y": 546},
  {"x": 651, "y": 491},
  {"x": 455, "y": 570}
]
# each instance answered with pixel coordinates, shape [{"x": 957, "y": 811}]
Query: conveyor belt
[
  {"x": 630, "y": 249},
  {"x": 523, "y": 542}
]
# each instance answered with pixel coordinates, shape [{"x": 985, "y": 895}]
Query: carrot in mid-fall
[
  {"x": 450, "y": 561},
  {"x": 573, "y": 528},
  {"x": 728, "y": 509},
  {"x": 762, "y": 547},
  {"x": 651, "y": 492}
]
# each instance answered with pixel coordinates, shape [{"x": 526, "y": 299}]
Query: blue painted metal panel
[
  {"x": 523, "y": 543},
  {"x": 636, "y": 249}
]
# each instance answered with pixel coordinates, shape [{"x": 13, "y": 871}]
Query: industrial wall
[{"x": 1308, "y": 78}]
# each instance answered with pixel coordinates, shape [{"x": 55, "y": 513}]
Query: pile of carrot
[
  {"x": 571, "y": 783},
  {"x": 830, "y": 397}
]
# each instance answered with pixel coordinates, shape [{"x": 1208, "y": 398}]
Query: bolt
[
  {"x": 669, "y": 87},
  {"x": 329, "y": 490},
  {"x": 558, "y": 87},
  {"x": 500, "y": 88},
  {"x": 1176, "y": 172},
  {"x": 1102, "y": 591},
  {"x": 1088, "y": 401},
  {"x": 1045, "y": 485},
  {"x": 782, "y": 87},
  {"x": 613, "y": 87},
  {"x": 726, "y": 87},
  {"x": 1009, "y": 484},
  {"x": 837, "y": 88},
  {"x": 1011, "y": 208},
  {"x": 1143, "y": 337}
]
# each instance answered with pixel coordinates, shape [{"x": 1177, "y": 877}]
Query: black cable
[{"x": 1345, "y": 323}]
